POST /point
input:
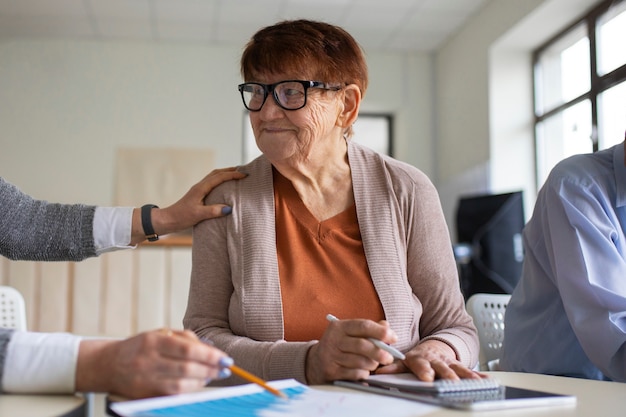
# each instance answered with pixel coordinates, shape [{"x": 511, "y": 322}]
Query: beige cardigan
[{"x": 234, "y": 297}]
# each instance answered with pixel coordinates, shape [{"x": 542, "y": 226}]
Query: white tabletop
[
  {"x": 594, "y": 398},
  {"x": 42, "y": 406}
]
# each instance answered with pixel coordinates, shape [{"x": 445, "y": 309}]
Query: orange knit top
[{"x": 322, "y": 267}]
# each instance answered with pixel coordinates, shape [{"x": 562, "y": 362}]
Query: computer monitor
[{"x": 489, "y": 250}]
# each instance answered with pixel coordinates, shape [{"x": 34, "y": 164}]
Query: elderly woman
[{"x": 323, "y": 225}]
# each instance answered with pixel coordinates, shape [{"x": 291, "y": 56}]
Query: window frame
[{"x": 598, "y": 83}]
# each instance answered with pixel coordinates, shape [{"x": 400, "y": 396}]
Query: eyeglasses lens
[
  {"x": 288, "y": 94},
  {"x": 253, "y": 96}
]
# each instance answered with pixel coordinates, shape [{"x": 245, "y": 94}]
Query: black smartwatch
[{"x": 146, "y": 222}]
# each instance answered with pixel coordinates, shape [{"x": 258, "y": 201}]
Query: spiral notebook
[
  {"x": 409, "y": 382},
  {"x": 467, "y": 394}
]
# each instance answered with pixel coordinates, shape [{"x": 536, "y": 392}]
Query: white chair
[
  {"x": 487, "y": 311},
  {"x": 13, "y": 316},
  {"x": 12, "y": 309}
]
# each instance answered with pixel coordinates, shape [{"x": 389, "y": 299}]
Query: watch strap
[{"x": 146, "y": 222}]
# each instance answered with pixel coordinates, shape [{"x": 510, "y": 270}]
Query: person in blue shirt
[{"x": 567, "y": 315}]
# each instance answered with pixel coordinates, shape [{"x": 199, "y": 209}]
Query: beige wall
[
  {"x": 115, "y": 295},
  {"x": 67, "y": 106},
  {"x": 462, "y": 109},
  {"x": 483, "y": 98}
]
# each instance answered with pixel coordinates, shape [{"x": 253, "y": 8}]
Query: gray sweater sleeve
[
  {"x": 5, "y": 336},
  {"x": 40, "y": 231}
]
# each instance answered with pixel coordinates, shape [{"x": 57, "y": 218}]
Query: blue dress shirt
[{"x": 567, "y": 315}]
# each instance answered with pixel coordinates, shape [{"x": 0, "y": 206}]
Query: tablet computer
[{"x": 500, "y": 397}]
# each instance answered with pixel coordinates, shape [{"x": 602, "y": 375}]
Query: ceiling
[{"x": 421, "y": 25}]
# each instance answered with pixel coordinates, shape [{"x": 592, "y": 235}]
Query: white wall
[
  {"x": 68, "y": 105},
  {"x": 484, "y": 113},
  {"x": 462, "y": 108}
]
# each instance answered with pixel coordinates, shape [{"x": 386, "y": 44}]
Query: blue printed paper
[{"x": 253, "y": 401}]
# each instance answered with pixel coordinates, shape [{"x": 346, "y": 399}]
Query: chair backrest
[
  {"x": 487, "y": 311},
  {"x": 12, "y": 309}
]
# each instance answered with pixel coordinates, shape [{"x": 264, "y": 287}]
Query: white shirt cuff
[
  {"x": 112, "y": 228},
  {"x": 41, "y": 363}
]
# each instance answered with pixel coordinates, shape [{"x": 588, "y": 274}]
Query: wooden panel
[
  {"x": 119, "y": 294},
  {"x": 87, "y": 297},
  {"x": 180, "y": 275},
  {"x": 4, "y": 270},
  {"x": 151, "y": 276},
  {"x": 54, "y": 296},
  {"x": 158, "y": 175}
]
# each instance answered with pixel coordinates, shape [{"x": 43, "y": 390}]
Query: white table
[
  {"x": 42, "y": 405},
  {"x": 594, "y": 398}
]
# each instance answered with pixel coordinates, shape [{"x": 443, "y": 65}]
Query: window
[
  {"x": 371, "y": 130},
  {"x": 580, "y": 87}
]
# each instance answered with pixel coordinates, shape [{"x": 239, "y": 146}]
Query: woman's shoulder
[
  {"x": 397, "y": 171},
  {"x": 259, "y": 176}
]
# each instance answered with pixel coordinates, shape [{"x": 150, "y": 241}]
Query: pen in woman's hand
[{"x": 380, "y": 344}]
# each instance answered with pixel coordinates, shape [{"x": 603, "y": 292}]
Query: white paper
[{"x": 252, "y": 400}]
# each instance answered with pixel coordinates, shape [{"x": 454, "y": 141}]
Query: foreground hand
[
  {"x": 150, "y": 364},
  {"x": 431, "y": 360},
  {"x": 344, "y": 352}
]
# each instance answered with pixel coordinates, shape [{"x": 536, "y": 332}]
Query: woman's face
[{"x": 295, "y": 136}]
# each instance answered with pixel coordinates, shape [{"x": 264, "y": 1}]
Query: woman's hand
[
  {"x": 431, "y": 360},
  {"x": 189, "y": 210},
  {"x": 344, "y": 351}
]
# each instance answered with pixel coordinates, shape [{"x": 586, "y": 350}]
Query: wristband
[{"x": 146, "y": 222}]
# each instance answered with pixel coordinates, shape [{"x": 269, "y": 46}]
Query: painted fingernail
[
  {"x": 226, "y": 362},
  {"x": 224, "y": 373},
  {"x": 227, "y": 210},
  {"x": 207, "y": 341}
]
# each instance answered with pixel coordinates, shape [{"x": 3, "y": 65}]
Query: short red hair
[{"x": 312, "y": 50}]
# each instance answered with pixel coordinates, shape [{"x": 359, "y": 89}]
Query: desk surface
[
  {"x": 42, "y": 406},
  {"x": 594, "y": 398}
]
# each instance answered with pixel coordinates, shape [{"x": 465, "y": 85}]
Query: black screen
[{"x": 491, "y": 227}]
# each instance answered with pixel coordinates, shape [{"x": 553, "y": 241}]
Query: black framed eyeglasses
[{"x": 289, "y": 94}]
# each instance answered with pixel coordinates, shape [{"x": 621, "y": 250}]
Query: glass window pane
[
  {"x": 250, "y": 150},
  {"x": 373, "y": 132},
  {"x": 611, "y": 34},
  {"x": 563, "y": 71},
  {"x": 564, "y": 134},
  {"x": 612, "y": 116}
]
